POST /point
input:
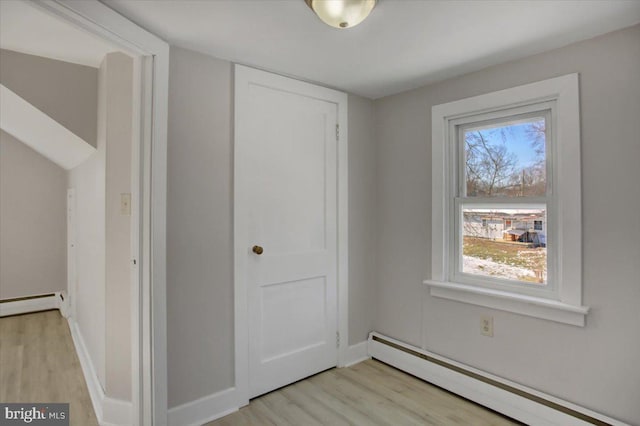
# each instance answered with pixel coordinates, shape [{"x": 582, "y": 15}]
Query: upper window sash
[{"x": 457, "y": 169}]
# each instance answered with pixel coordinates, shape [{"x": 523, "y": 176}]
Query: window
[
  {"x": 501, "y": 167},
  {"x": 506, "y": 229}
]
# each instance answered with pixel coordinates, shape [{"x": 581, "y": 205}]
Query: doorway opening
[{"x": 113, "y": 291}]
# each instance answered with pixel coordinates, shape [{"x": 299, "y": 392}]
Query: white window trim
[{"x": 566, "y": 306}]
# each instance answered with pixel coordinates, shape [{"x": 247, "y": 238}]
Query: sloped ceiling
[{"x": 40, "y": 132}]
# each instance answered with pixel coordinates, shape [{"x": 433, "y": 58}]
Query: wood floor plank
[
  {"x": 369, "y": 393},
  {"x": 378, "y": 406},
  {"x": 38, "y": 363},
  {"x": 263, "y": 411},
  {"x": 11, "y": 378},
  {"x": 329, "y": 398},
  {"x": 413, "y": 402},
  {"x": 289, "y": 410},
  {"x": 251, "y": 417},
  {"x": 443, "y": 407},
  {"x": 456, "y": 408},
  {"x": 319, "y": 411}
]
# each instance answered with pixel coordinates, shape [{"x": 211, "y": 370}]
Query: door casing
[
  {"x": 149, "y": 188},
  {"x": 71, "y": 253}
]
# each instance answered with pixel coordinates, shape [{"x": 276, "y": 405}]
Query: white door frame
[
  {"x": 71, "y": 294},
  {"x": 244, "y": 75},
  {"x": 149, "y": 167}
]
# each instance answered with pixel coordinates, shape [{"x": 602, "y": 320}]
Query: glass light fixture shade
[{"x": 342, "y": 13}]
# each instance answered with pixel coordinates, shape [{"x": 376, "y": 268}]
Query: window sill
[{"x": 552, "y": 310}]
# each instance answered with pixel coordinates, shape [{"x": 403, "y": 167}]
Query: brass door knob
[{"x": 257, "y": 250}]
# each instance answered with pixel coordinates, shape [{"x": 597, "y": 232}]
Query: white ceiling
[
  {"x": 27, "y": 29},
  {"x": 402, "y": 45}
]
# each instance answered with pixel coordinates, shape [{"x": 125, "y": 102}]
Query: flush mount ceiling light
[{"x": 341, "y": 13}]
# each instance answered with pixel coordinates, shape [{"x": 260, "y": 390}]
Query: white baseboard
[
  {"x": 497, "y": 398},
  {"x": 109, "y": 411},
  {"x": 26, "y": 306},
  {"x": 223, "y": 403},
  {"x": 356, "y": 353},
  {"x": 90, "y": 376},
  {"x": 116, "y": 412},
  {"x": 204, "y": 410}
]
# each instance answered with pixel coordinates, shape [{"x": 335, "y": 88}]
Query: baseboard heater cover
[
  {"x": 29, "y": 304},
  {"x": 506, "y": 397},
  {"x": 20, "y": 299}
]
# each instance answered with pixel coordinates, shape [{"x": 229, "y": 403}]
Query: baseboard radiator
[
  {"x": 30, "y": 304},
  {"x": 511, "y": 399}
]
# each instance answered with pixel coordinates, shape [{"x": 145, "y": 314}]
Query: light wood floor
[
  {"x": 368, "y": 393},
  {"x": 38, "y": 363}
]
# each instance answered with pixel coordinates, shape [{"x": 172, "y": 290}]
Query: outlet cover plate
[{"x": 486, "y": 325}]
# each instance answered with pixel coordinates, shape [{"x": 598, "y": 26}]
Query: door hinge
[
  {"x": 337, "y": 132},
  {"x": 337, "y": 339}
]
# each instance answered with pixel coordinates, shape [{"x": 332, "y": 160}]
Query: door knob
[{"x": 257, "y": 250}]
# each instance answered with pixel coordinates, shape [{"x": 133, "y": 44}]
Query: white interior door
[{"x": 286, "y": 186}]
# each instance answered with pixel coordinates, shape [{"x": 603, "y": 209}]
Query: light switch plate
[{"x": 125, "y": 204}]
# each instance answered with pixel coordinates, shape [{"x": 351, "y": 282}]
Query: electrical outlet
[{"x": 486, "y": 325}]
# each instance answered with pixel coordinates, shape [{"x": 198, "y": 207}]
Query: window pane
[
  {"x": 506, "y": 243},
  {"x": 506, "y": 159}
]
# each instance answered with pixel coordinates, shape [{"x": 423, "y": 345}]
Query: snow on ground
[{"x": 474, "y": 265}]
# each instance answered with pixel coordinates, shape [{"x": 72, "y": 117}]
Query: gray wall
[
  {"x": 33, "y": 222},
  {"x": 200, "y": 231},
  {"x": 363, "y": 233},
  {"x": 199, "y": 227},
  {"x": 118, "y": 116},
  {"x": 595, "y": 366},
  {"x": 64, "y": 91},
  {"x": 89, "y": 182},
  {"x": 103, "y": 285}
]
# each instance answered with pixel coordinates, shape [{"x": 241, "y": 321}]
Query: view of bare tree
[
  {"x": 534, "y": 177},
  {"x": 489, "y": 166},
  {"x": 493, "y": 170},
  {"x": 537, "y": 132}
]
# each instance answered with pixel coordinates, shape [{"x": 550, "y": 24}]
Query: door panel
[
  {"x": 289, "y": 169},
  {"x": 289, "y": 162},
  {"x": 293, "y": 317}
]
